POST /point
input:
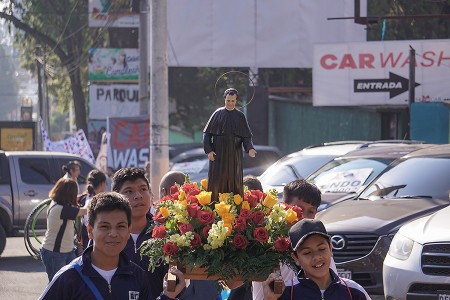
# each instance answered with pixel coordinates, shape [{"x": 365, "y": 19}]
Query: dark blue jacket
[
  {"x": 155, "y": 279},
  {"x": 128, "y": 281},
  {"x": 339, "y": 289}
]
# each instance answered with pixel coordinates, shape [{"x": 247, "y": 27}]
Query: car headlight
[{"x": 401, "y": 247}]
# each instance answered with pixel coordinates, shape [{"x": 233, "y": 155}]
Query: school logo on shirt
[{"x": 133, "y": 295}]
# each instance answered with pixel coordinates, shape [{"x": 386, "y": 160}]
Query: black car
[
  {"x": 341, "y": 178},
  {"x": 362, "y": 229}
]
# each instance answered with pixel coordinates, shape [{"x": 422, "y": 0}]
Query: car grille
[
  {"x": 436, "y": 259},
  {"x": 356, "y": 246},
  {"x": 421, "y": 290}
]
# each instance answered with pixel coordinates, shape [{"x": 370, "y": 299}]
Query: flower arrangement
[{"x": 228, "y": 237}]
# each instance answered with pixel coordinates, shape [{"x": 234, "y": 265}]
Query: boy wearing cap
[{"x": 312, "y": 252}]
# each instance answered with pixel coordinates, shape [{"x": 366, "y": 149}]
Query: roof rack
[
  {"x": 408, "y": 142},
  {"x": 336, "y": 143}
]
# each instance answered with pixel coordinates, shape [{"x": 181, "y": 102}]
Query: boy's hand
[
  {"x": 181, "y": 284},
  {"x": 252, "y": 152},
  {"x": 268, "y": 287}
]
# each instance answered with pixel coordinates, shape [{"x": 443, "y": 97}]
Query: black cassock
[{"x": 225, "y": 134}]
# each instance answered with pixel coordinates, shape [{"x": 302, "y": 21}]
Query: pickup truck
[{"x": 26, "y": 177}]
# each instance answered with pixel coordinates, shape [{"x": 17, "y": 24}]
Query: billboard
[
  {"x": 114, "y": 100},
  {"x": 17, "y": 136},
  {"x": 129, "y": 142},
  {"x": 377, "y": 73},
  {"x": 109, "y": 13},
  {"x": 113, "y": 64}
]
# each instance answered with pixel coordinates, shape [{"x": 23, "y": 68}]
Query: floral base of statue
[{"x": 198, "y": 273}]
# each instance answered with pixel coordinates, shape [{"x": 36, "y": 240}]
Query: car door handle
[{"x": 30, "y": 193}]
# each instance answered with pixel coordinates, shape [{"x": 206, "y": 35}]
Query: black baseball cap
[{"x": 305, "y": 228}]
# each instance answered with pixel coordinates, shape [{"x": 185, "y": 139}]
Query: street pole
[
  {"x": 39, "y": 145},
  {"x": 143, "y": 58},
  {"x": 159, "y": 95},
  {"x": 412, "y": 85}
]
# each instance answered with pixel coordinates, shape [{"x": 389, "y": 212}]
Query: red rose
[
  {"x": 165, "y": 198},
  {"x": 185, "y": 228},
  {"x": 240, "y": 223},
  {"x": 194, "y": 192},
  {"x": 251, "y": 199},
  {"x": 191, "y": 199},
  {"x": 239, "y": 241},
  {"x": 173, "y": 189},
  {"x": 260, "y": 234},
  {"x": 159, "y": 232},
  {"x": 282, "y": 244},
  {"x": 197, "y": 241},
  {"x": 175, "y": 195},
  {"x": 193, "y": 210},
  {"x": 170, "y": 248},
  {"x": 246, "y": 213},
  {"x": 258, "y": 217},
  {"x": 205, "y": 231},
  {"x": 299, "y": 211},
  {"x": 206, "y": 216},
  {"x": 187, "y": 187},
  {"x": 159, "y": 218}
]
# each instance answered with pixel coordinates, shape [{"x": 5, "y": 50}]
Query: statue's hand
[
  {"x": 211, "y": 155},
  {"x": 252, "y": 152}
]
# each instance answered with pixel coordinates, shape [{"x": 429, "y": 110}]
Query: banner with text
[
  {"x": 129, "y": 142},
  {"x": 114, "y": 100},
  {"x": 108, "y": 13},
  {"x": 377, "y": 73},
  {"x": 113, "y": 64}
]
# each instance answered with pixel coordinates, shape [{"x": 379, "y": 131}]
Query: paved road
[{"x": 22, "y": 277}]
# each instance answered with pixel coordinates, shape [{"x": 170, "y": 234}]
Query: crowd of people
[{"x": 115, "y": 224}]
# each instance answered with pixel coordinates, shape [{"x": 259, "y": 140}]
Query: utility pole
[
  {"x": 39, "y": 145},
  {"x": 143, "y": 57},
  {"x": 412, "y": 85},
  {"x": 159, "y": 95}
]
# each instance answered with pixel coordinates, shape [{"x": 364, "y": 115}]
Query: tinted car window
[
  {"x": 85, "y": 168},
  {"x": 348, "y": 175},
  {"x": 262, "y": 158},
  {"x": 35, "y": 171},
  {"x": 419, "y": 176}
]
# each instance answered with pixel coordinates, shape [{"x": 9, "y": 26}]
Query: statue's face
[{"x": 230, "y": 102}]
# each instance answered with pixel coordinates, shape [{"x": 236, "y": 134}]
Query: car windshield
[
  {"x": 348, "y": 175},
  {"x": 297, "y": 167},
  {"x": 415, "y": 177}
]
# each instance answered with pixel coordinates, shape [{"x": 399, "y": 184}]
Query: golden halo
[{"x": 239, "y": 72}]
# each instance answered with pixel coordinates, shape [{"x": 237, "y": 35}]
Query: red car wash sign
[{"x": 376, "y": 73}]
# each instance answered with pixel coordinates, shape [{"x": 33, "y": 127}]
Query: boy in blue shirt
[{"x": 312, "y": 252}]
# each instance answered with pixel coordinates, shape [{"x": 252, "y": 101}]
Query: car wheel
[{"x": 2, "y": 239}]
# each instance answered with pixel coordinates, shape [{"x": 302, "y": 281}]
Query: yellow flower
[
  {"x": 291, "y": 216},
  {"x": 223, "y": 197},
  {"x": 229, "y": 228},
  {"x": 237, "y": 199},
  {"x": 204, "y": 198},
  {"x": 195, "y": 184},
  {"x": 245, "y": 205},
  {"x": 204, "y": 183},
  {"x": 183, "y": 202},
  {"x": 228, "y": 218},
  {"x": 270, "y": 200},
  {"x": 222, "y": 208},
  {"x": 182, "y": 195},
  {"x": 164, "y": 212}
]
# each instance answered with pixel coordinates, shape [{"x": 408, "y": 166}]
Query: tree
[
  {"x": 8, "y": 85},
  {"x": 61, "y": 28}
]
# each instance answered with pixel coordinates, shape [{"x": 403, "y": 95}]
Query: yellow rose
[
  {"x": 270, "y": 200},
  {"x": 228, "y": 218},
  {"x": 182, "y": 195},
  {"x": 184, "y": 203},
  {"x": 204, "y": 198},
  {"x": 237, "y": 199},
  {"x": 245, "y": 205},
  {"x": 195, "y": 184},
  {"x": 222, "y": 208},
  {"x": 229, "y": 228},
  {"x": 291, "y": 216},
  {"x": 204, "y": 183},
  {"x": 164, "y": 212},
  {"x": 223, "y": 197}
]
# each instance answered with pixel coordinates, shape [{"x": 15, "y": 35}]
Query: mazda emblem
[{"x": 338, "y": 242}]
